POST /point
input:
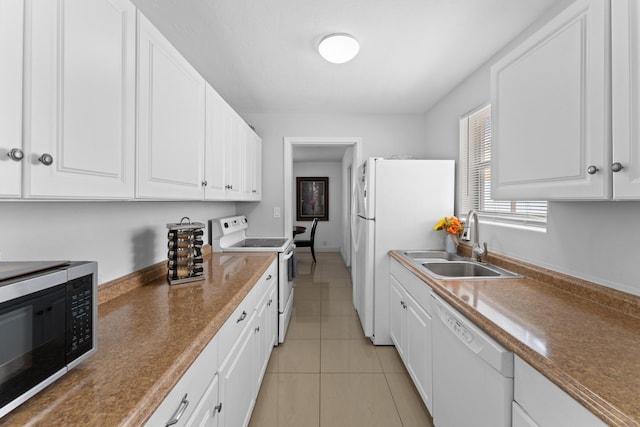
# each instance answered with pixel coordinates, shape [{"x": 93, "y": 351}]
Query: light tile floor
[{"x": 327, "y": 374}]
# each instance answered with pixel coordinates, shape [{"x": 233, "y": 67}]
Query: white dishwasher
[{"x": 472, "y": 373}]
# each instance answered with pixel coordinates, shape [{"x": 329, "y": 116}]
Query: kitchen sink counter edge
[
  {"x": 583, "y": 337},
  {"x": 148, "y": 337}
]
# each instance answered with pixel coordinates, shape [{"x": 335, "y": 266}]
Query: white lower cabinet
[
  {"x": 540, "y": 403},
  {"x": 410, "y": 328},
  {"x": 206, "y": 413},
  {"x": 238, "y": 379},
  {"x": 221, "y": 386},
  {"x": 181, "y": 402}
]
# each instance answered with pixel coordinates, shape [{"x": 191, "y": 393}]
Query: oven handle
[{"x": 288, "y": 255}]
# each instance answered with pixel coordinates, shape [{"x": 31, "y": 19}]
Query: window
[{"x": 475, "y": 177}]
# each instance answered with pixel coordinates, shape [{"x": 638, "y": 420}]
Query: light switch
[{"x": 276, "y": 212}]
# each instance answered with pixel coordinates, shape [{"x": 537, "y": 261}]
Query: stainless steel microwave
[{"x": 48, "y": 324}]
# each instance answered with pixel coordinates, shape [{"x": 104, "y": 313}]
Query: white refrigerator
[{"x": 397, "y": 203}]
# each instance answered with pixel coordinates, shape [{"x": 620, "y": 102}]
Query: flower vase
[{"x": 451, "y": 243}]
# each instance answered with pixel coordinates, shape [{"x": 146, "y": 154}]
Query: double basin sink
[{"x": 445, "y": 265}]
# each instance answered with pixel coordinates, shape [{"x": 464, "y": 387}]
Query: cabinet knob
[
  {"x": 16, "y": 154},
  {"x": 617, "y": 167},
  {"x": 204, "y": 183},
  {"x": 591, "y": 170},
  {"x": 46, "y": 159}
]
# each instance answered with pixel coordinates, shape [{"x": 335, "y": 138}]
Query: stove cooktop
[{"x": 262, "y": 242}]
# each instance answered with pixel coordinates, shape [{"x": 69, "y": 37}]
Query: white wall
[
  {"x": 596, "y": 241},
  {"x": 328, "y": 233},
  {"x": 382, "y": 135},
  {"x": 122, "y": 236}
]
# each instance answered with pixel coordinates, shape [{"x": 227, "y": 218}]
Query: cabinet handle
[
  {"x": 16, "y": 154},
  {"x": 269, "y": 303},
  {"x": 617, "y": 167},
  {"x": 204, "y": 183},
  {"x": 218, "y": 407},
  {"x": 269, "y": 277},
  {"x": 179, "y": 412},
  {"x": 46, "y": 159},
  {"x": 591, "y": 170},
  {"x": 257, "y": 329},
  {"x": 242, "y": 317}
]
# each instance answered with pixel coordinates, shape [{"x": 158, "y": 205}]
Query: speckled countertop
[
  {"x": 148, "y": 336},
  {"x": 583, "y": 337}
]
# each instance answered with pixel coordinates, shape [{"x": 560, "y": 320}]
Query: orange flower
[{"x": 451, "y": 224}]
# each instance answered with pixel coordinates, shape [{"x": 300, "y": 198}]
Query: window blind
[{"x": 475, "y": 177}]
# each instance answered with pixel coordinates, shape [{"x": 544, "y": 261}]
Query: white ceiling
[{"x": 261, "y": 56}]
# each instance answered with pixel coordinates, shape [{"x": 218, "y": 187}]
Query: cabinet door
[
  {"x": 11, "y": 31},
  {"x": 625, "y": 33},
  {"x": 206, "y": 413},
  {"x": 397, "y": 316},
  {"x": 550, "y": 105},
  {"x": 419, "y": 350},
  {"x": 253, "y": 159},
  {"x": 272, "y": 316},
  {"x": 267, "y": 330},
  {"x": 238, "y": 385},
  {"x": 171, "y": 123},
  {"x": 217, "y": 136},
  {"x": 80, "y": 98},
  {"x": 261, "y": 330}
]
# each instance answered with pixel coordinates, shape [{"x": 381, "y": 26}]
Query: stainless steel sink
[
  {"x": 459, "y": 269},
  {"x": 432, "y": 255},
  {"x": 444, "y": 265}
]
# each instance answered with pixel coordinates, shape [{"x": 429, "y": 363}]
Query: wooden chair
[{"x": 311, "y": 242}]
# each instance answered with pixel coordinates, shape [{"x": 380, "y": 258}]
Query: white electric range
[{"x": 231, "y": 237}]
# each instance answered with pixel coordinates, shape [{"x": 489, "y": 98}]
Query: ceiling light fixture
[{"x": 338, "y": 48}]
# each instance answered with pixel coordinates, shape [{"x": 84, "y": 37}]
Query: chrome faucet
[{"x": 476, "y": 250}]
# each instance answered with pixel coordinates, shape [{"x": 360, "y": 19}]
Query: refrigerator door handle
[{"x": 354, "y": 218}]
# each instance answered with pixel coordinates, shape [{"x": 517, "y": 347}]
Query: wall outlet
[{"x": 276, "y": 212}]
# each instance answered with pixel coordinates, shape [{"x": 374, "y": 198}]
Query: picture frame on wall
[{"x": 312, "y": 198}]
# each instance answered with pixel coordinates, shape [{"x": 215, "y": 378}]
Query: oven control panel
[{"x": 233, "y": 224}]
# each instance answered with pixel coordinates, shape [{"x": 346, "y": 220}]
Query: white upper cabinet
[
  {"x": 625, "y": 33},
  {"x": 79, "y": 104},
  {"x": 565, "y": 106},
  {"x": 171, "y": 120},
  {"x": 253, "y": 165},
  {"x": 233, "y": 158},
  {"x": 11, "y": 149},
  {"x": 217, "y": 135},
  {"x": 550, "y": 110}
]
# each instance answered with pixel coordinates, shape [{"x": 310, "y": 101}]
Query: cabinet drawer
[
  {"x": 235, "y": 324},
  {"x": 418, "y": 289},
  {"x": 546, "y": 403},
  {"x": 262, "y": 287},
  {"x": 182, "y": 399}
]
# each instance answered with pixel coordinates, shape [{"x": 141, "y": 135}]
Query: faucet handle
[{"x": 477, "y": 252}]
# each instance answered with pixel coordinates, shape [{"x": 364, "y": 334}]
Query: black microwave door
[{"x": 32, "y": 333}]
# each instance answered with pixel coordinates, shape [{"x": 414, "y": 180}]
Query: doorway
[{"x": 352, "y": 150}]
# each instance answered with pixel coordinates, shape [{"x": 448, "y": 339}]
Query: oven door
[
  {"x": 32, "y": 333},
  {"x": 286, "y": 271}
]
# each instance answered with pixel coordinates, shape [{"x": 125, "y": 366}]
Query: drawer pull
[
  {"x": 179, "y": 412},
  {"x": 269, "y": 277},
  {"x": 218, "y": 407},
  {"x": 257, "y": 329},
  {"x": 242, "y": 317}
]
